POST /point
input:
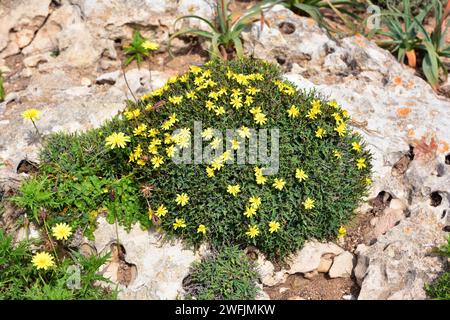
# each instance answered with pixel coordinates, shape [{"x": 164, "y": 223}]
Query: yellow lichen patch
[
  {"x": 445, "y": 146},
  {"x": 397, "y": 81}
]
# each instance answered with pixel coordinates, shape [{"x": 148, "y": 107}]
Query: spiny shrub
[
  {"x": 229, "y": 275},
  {"x": 323, "y": 168}
]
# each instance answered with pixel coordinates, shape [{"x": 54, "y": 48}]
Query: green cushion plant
[{"x": 324, "y": 168}]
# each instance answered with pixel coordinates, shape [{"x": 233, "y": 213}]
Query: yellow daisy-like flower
[
  {"x": 31, "y": 114},
  {"x": 153, "y": 149},
  {"x": 368, "y": 181},
  {"x": 217, "y": 164},
  {"x": 170, "y": 151},
  {"x": 320, "y": 132},
  {"x": 248, "y": 100},
  {"x": 140, "y": 130},
  {"x": 250, "y": 211},
  {"x": 300, "y": 174},
  {"x": 153, "y": 132},
  {"x": 182, "y": 199},
  {"x": 167, "y": 138},
  {"x": 252, "y": 90},
  {"x": 333, "y": 104},
  {"x": 210, "y": 105},
  {"x": 244, "y": 132},
  {"x": 255, "y": 201},
  {"x": 179, "y": 223},
  {"x": 361, "y": 163},
  {"x": 215, "y": 143},
  {"x": 201, "y": 229},
  {"x": 274, "y": 226},
  {"x": 337, "y": 154},
  {"x": 255, "y": 110},
  {"x": 253, "y": 231},
  {"x": 341, "y": 129},
  {"x": 61, "y": 231},
  {"x": 157, "y": 161},
  {"x": 220, "y": 111},
  {"x": 260, "y": 118},
  {"x": 233, "y": 189},
  {"x": 191, "y": 95},
  {"x": 356, "y": 146},
  {"x": 152, "y": 46},
  {"x": 195, "y": 70},
  {"x": 176, "y": 100},
  {"x": 236, "y": 102},
  {"x": 342, "y": 232},
  {"x": 260, "y": 179},
  {"x": 279, "y": 183},
  {"x": 117, "y": 140},
  {"x": 133, "y": 114},
  {"x": 235, "y": 144},
  {"x": 308, "y": 203},
  {"x": 43, "y": 260},
  {"x": 150, "y": 214},
  {"x": 293, "y": 112},
  {"x": 161, "y": 211},
  {"x": 210, "y": 172}
]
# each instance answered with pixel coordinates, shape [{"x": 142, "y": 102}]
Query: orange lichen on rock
[
  {"x": 411, "y": 133},
  {"x": 445, "y": 146},
  {"x": 403, "y": 112},
  {"x": 397, "y": 80}
]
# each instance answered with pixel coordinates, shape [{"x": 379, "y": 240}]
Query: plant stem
[
  {"x": 126, "y": 82},
  {"x": 35, "y": 127},
  {"x": 51, "y": 241}
]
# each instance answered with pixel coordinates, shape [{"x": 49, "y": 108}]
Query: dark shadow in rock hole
[
  {"x": 126, "y": 272},
  {"x": 447, "y": 159},
  {"x": 286, "y": 27},
  {"x": 27, "y": 166},
  {"x": 435, "y": 199}
]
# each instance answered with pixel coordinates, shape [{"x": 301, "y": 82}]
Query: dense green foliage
[
  {"x": 229, "y": 275},
  {"x": 440, "y": 288},
  {"x": 19, "y": 279},
  {"x": 81, "y": 175}
]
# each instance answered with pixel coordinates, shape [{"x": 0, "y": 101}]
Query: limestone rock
[
  {"x": 342, "y": 266},
  {"x": 308, "y": 258}
]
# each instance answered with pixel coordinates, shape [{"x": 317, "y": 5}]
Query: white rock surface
[
  {"x": 342, "y": 265},
  {"x": 161, "y": 266}
]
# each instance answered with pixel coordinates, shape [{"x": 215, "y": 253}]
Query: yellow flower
[
  {"x": 153, "y": 132},
  {"x": 217, "y": 164},
  {"x": 320, "y": 132},
  {"x": 255, "y": 201},
  {"x": 210, "y": 105},
  {"x": 152, "y": 46},
  {"x": 255, "y": 110},
  {"x": 252, "y": 90},
  {"x": 279, "y": 183},
  {"x": 43, "y": 260},
  {"x": 170, "y": 151},
  {"x": 368, "y": 181},
  {"x": 179, "y": 223},
  {"x": 140, "y": 130},
  {"x": 361, "y": 163},
  {"x": 167, "y": 138},
  {"x": 244, "y": 132},
  {"x": 248, "y": 100},
  {"x": 150, "y": 213},
  {"x": 342, "y": 232},
  {"x": 250, "y": 212},
  {"x": 182, "y": 199},
  {"x": 176, "y": 99},
  {"x": 337, "y": 154},
  {"x": 293, "y": 112},
  {"x": 153, "y": 149},
  {"x": 333, "y": 104},
  {"x": 117, "y": 140},
  {"x": 260, "y": 118},
  {"x": 184, "y": 78},
  {"x": 235, "y": 144},
  {"x": 219, "y": 111},
  {"x": 61, "y": 231},
  {"x": 195, "y": 70},
  {"x": 274, "y": 226},
  {"x": 157, "y": 161},
  {"x": 31, "y": 114},
  {"x": 226, "y": 155},
  {"x": 236, "y": 102},
  {"x": 161, "y": 211},
  {"x": 233, "y": 189},
  {"x": 308, "y": 203},
  {"x": 133, "y": 114},
  {"x": 201, "y": 229},
  {"x": 191, "y": 95},
  {"x": 136, "y": 154},
  {"x": 341, "y": 129},
  {"x": 300, "y": 175},
  {"x": 215, "y": 143},
  {"x": 210, "y": 172},
  {"x": 356, "y": 146},
  {"x": 261, "y": 179},
  {"x": 253, "y": 231}
]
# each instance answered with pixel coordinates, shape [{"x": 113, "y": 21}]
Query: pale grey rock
[
  {"x": 342, "y": 265},
  {"x": 161, "y": 266},
  {"x": 325, "y": 264},
  {"x": 308, "y": 258}
]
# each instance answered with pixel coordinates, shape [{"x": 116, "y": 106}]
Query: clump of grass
[
  {"x": 440, "y": 288},
  {"x": 228, "y": 275}
]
